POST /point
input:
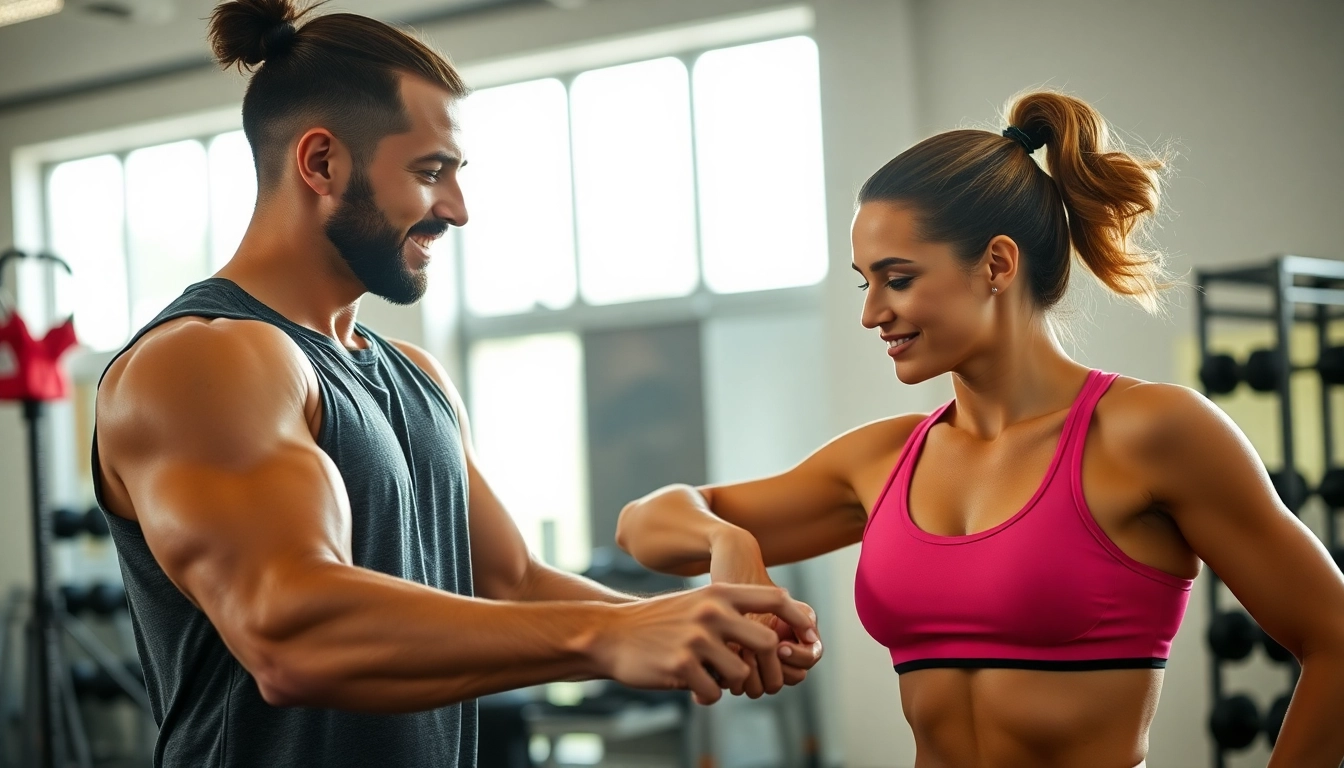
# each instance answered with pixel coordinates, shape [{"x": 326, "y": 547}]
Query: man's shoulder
[
  {"x": 203, "y": 373},
  {"x": 185, "y": 346}
]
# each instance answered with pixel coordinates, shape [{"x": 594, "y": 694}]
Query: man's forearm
[
  {"x": 350, "y": 638},
  {"x": 546, "y": 583}
]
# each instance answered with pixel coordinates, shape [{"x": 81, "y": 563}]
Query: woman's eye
[
  {"x": 899, "y": 283},
  {"x": 863, "y": 287}
]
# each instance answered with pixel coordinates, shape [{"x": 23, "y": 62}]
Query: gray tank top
[{"x": 394, "y": 437}]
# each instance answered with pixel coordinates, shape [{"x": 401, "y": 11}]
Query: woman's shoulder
[
  {"x": 1143, "y": 417},
  {"x": 877, "y": 438}
]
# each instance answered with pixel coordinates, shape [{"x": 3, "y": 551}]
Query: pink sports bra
[{"x": 1045, "y": 590}]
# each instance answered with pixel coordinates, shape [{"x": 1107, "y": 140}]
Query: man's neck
[{"x": 298, "y": 274}]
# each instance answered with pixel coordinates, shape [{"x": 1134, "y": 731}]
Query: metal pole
[
  {"x": 50, "y": 747},
  {"x": 1284, "y": 314},
  {"x": 1215, "y": 667}
]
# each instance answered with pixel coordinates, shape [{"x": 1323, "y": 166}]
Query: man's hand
[
  {"x": 682, "y": 640},
  {"x": 736, "y": 559}
]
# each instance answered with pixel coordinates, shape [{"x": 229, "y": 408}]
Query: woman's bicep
[
  {"x": 1208, "y": 477},
  {"x": 819, "y": 505}
]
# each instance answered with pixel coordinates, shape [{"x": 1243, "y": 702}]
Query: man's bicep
[{"x": 204, "y": 427}]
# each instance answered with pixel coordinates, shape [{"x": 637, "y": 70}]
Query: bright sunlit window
[
  {"x": 140, "y": 227},
  {"x": 633, "y": 181},
  {"x": 167, "y": 210},
  {"x": 92, "y": 239},
  {"x": 519, "y": 247},
  {"x": 758, "y": 139},
  {"x": 233, "y": 195},
  {"x": 708, "y": 181},
  {"x": 527, "y": 424}
]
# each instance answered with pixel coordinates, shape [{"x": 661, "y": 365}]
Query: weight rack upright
[{"x": 1293, "y": 281}]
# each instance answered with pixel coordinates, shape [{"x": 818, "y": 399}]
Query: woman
[{"x": 1028, "y": 548}]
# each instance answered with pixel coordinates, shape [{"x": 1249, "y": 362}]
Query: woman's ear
[{"x": 1001, "y": 261}]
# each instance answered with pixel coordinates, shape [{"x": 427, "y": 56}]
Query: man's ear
[{"x": 322, "y": 161}]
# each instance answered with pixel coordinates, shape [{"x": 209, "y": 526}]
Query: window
[
  {"x": 165, "y": 216},
  {"x": 688, "y": 174},
  {"x": 611, "y": 211}
]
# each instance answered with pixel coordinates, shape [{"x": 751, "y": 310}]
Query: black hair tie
[
  {"x": 279, "y": 39},
  {"x": 1028, "y": 142}
]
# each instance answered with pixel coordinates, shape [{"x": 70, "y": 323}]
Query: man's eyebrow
[
  {"x": 878, "y": 266},
  {"x": 442, "y": 158}
]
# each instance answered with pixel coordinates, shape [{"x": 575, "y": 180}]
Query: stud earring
[{"x": 993, "y": 289}]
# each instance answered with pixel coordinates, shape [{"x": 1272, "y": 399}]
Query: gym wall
[{"x": 1250, "y": 90}]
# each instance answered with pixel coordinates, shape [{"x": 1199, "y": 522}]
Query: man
[{"x": 317, "y": 572}]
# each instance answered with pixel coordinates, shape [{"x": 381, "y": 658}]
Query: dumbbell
[
  {"x": 1232, "y": 635},
  {"x": 1291, "y": 488},
  {"x": 67, "y": 523},
  {"x": 106, "y": 598},
  {"x": 1274, "y": 717},
  {"x": 76, "y": 598},
  {"x": 89, "y": 679},
  {"x": 1261, "y": 371},
  {"x": 1331, "y": 489},
  {"x": 1219, "y": 374},
  {"x": 95, "y": 523},
  {"x": 1273, "y": 650},
  {"x": 1234, "y": 722}
]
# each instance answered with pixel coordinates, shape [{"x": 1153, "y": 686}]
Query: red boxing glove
[{"x": 30, "y": 370}]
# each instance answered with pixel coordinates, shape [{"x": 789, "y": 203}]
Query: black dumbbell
[
  {"x": 1232, "y": 635},
  {"x": 1273, "y": 650},
  {"x": 1234, "y": 722},
  {"x": 89, "y": 679},
  {"x": 66, "y": 523},
  {"x": 76, "y": 598},
  {"x": 95, "y": 523},
  {"x": 1331, "y": 489},
  {"x": 1291, "y": 487},
  {"x": 1274, "y": 717},
  {"x": 105, "y": 598},
  {"x": 84, "y": 676},
  {"x": 1261, "y": 371},
  {"x": 1219, "y": 374}
]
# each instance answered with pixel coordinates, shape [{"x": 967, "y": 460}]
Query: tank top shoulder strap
[
  {"x": 900, "y": 473},
  {"x": 1075, "y": 431}
]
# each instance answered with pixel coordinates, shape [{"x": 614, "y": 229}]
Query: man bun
[{"x": 244, "y": 33}]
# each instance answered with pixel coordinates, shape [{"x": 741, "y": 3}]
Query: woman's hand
[{"x": 736, "y": 559}]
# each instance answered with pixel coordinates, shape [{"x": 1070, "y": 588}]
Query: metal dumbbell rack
[
  {"x": 1303, "y": 291},
  {"x": 52, "y": 732}
]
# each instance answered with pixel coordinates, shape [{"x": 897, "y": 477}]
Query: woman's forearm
[
  {"x": 1311, "y": 736},
  {"x": 673, "y": 530}
]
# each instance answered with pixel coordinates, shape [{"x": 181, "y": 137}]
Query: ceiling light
[{"x": 14, "y": 11}]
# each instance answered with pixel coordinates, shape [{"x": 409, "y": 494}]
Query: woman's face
[{"x": 931, "y": 311}]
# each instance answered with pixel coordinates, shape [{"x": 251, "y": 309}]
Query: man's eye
[{"x": 431, "y": 175}]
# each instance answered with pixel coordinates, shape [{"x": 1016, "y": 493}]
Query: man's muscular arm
[
  {"x": 203, "y": 432},
  {"x": 502, "y": 566}
]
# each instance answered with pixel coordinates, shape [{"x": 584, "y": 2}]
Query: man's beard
[{"x": 373, "y": 248}]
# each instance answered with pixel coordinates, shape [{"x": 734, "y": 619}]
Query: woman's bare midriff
[{"x": 1008, "y": 718}]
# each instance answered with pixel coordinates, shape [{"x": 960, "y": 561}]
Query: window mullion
[{"x": 700, "y": 287}]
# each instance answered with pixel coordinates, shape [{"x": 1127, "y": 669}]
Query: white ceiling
[{"x": 75, "y": 47}]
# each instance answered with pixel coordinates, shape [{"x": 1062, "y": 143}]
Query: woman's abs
[{"x": 1001, "y": 718}]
